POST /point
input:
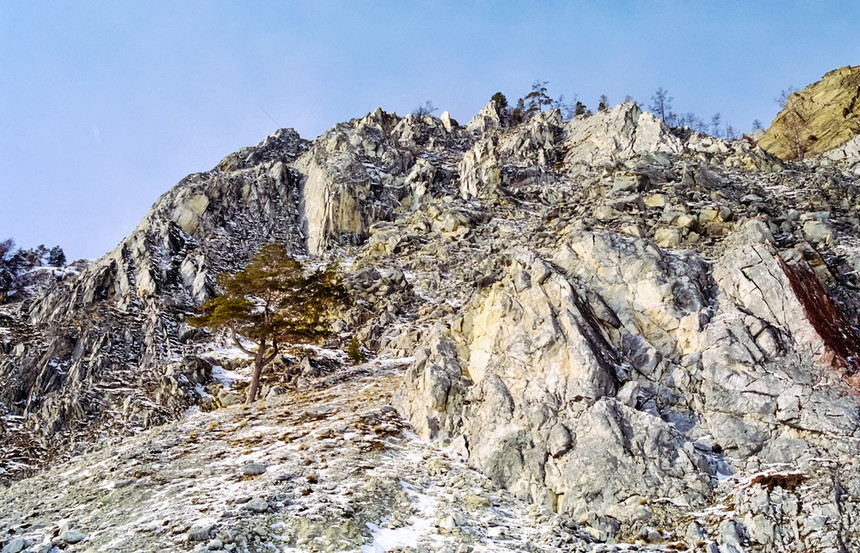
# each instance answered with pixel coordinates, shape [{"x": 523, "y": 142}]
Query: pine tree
[
  {"x": 518, "y": 113},
  {"x": 603, "y": 104},
  {"x": 56, "y": 257},
  {"x": 498, "y": 99},
  {"x": 273, "y": 301},
  {"x": 353, "y": 351},
  {"x": 538, "y": 97}
]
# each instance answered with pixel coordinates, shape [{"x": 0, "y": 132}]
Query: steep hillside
[
  {"x": 648, "y": 334},
  {"x": 821, "y": 117}
]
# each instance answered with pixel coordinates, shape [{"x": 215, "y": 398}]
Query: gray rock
[
  {"x": 629, "y": 394},
  {"x": 560, "y": 440},
  {"x": 15, "y": 546},
  {"x": 258, "y": 505},
  {"x": 73, "y": 536},
  {"x": 819, "y": 231},
  {"x": 201, "y": 531},
  {"x": 254, "y": 469}
]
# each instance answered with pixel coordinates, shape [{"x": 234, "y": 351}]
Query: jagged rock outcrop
[
  {"x": 103, "y": 342},
  {"x": 359, "y": 173},
  {"x": 636, "y": 327},
  {"x": 597, "y": 371},
  {"x": 846, "y": 155},
  {"x": 821, "y": 117},
  {"x": 621, "y": 373},
  {"x": 545, "y": 149}
]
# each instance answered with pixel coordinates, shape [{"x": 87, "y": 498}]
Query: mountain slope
[{"x": 630, "y": 326}]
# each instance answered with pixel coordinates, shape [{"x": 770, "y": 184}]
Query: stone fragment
[
  {"x": 667, "y": 237},
  {"x": 606, "y": 212},
  {"x": 757, "y": 231},
  {"x": 15, "y": 546},
  {"x": 200, "y": 531},
  {"x": 560, "y": 440},
  {"x": 254, "y": 469},
  {"x": 73, "y": 536},
  {"x": 657, "y": 200},
  {"x": 258, "y": 505},
  {"x": 629, "y": 394},
  {"x": 819, "y": 231}
]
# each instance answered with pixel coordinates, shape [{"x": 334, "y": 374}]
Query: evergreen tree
[
  {"x": 604, "y": 103},
  {"x": 8, "y": 271},
  {"x": 500, "y": 103},
  {"x": 57, "y": 257},
  {"x": 537, "y": 98},
  {"x": 15, "y": 269},
  {"x": 498, "y": 99},
  {"x": 579, "y": 109},
  {"x": 354, "y": 352},
  {"x": 272, "y": 301},
  {"x": 519, "y": 112}
]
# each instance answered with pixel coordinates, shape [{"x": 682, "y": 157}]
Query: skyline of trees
[
  {"x": 16, "y": 265},
  {"x": 661, "y": 105}
]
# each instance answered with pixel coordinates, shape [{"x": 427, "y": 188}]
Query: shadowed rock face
[
  {"x": 634, "y": 326},
  {"x": 822, "y": 116},
  {"x": 113, "y": 339}
]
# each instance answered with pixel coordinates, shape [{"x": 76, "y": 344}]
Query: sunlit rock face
[
  {"x": 819, "y": 118},
  {"x": 630, "y": 326}
]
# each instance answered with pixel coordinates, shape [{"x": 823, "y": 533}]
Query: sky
[{"x": 105, "y": 105}]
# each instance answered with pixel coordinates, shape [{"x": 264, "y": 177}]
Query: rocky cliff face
[
  {"x": 819, "y": 118},
  {"x": 629, "y": 326},
  {"x": 113, "y": 340}
]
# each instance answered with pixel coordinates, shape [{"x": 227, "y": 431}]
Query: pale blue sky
[{"x": 106, "y": 105}]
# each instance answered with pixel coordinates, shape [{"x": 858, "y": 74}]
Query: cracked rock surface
[{"x": 610, "y": 336}]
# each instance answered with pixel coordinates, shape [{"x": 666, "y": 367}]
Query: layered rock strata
[{"x": 819, "y": 118}]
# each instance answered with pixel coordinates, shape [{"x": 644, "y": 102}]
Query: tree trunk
[{"x": 258, "y": 369}]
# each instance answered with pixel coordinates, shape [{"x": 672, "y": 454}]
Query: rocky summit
[{"x": 599, "y": 334}]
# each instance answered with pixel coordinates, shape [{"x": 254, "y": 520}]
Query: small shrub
[{"x": 354, "y": 352}]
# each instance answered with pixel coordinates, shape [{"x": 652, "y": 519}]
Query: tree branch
[
  {"x": 271, "y": 358},
  {"x": 236, "y": 340}
]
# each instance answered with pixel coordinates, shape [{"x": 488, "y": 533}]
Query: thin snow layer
[
  {"x": 420, "y": 525},
  {"x": 227, "y": 377},
  {"x": 330, "y": 467}
]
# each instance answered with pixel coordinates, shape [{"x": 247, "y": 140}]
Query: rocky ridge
[
  {"x": 647, "y": 331},
  {"x": 822, "y": 116}
]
